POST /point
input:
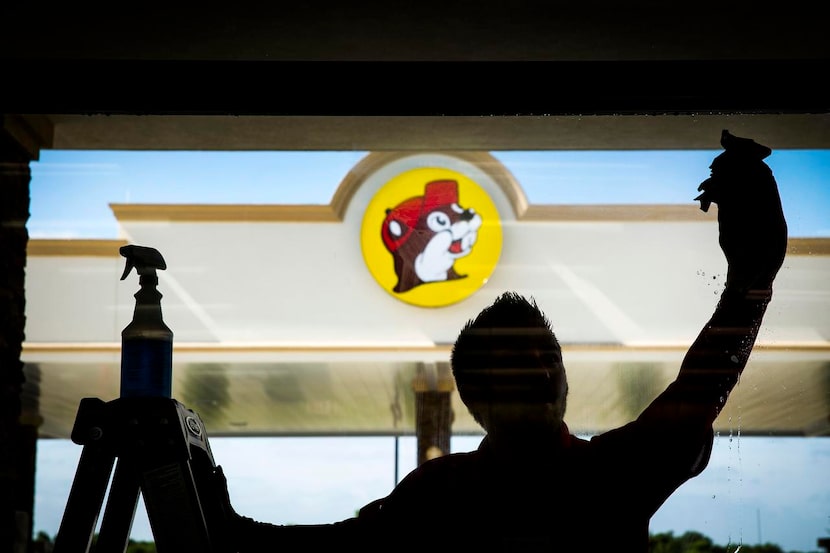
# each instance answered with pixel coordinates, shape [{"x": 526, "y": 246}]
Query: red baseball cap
[{"x": 407, "y": 213}]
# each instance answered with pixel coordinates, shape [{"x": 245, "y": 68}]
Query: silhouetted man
[{"x": 532, "y": 485}]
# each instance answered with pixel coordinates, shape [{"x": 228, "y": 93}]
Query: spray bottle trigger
[
  {"x": 127, "y": 268},
  {"x": 145, "y": 260}
]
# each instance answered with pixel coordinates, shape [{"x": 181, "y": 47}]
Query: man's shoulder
[
  {"x": 441, "y": 471},
  {"x": 451, "y": 461}
]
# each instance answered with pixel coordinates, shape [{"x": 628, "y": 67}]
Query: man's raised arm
[{"x": 753, "y": 237}]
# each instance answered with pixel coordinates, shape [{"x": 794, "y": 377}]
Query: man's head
[{"x": 508, "y": 368}]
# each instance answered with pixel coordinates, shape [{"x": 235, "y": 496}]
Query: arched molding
[{"x": 374, "y": 161}]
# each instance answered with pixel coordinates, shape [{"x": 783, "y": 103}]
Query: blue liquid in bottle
[{"x": 146, "y": 368}]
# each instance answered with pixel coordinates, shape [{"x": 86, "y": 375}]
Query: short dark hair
[{"x": 511, "y": 337}]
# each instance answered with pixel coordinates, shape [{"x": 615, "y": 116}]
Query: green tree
[
  {"x": 42, "y": 543},
  {"x": 695, "y": 542},
  {"x": 689, "y": 542},
  {"x": 141, "y": 547}
]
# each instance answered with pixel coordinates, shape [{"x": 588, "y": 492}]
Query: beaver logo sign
[
  {"x": 431, "y": 237},
  {"x": 426, "y": 234}
]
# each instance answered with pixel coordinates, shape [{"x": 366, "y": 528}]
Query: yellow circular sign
[{"x": 431, "y": 236}]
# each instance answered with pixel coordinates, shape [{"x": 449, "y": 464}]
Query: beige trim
[
  {"x": 112, "y": 347},
  {"x": 616, "y": 212},
  {"x": 376, "y": 160},
  {"x": 217, "y": 213},
  {"x": 74, "y": 248},
  {"x": 39, "y": 247},
  {"x": 808, "y": 246}
]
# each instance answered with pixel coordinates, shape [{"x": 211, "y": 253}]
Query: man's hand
[{"x": 753, "y": 231}]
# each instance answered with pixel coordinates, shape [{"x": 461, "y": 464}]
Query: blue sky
[
  {"x": 769, "y": 488},
  {"x": 71, "y": 190}
]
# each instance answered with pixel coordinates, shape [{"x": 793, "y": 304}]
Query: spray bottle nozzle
[{"x": 145, "y": 260}]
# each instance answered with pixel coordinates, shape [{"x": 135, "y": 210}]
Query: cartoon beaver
[{"x": 426, "y": 234}]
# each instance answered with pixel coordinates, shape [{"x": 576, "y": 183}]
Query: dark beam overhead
[{"x": 415, "y": 88}]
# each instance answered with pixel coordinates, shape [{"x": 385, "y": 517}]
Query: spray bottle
[{"x": 146, "y": 343}]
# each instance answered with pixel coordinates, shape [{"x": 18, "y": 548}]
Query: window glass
[{"x": 761, "y": 485}]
